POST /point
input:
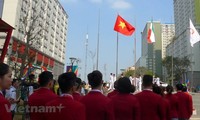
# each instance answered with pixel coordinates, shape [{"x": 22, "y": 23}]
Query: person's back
[
  {"x": 184, "y": 103},
  {"x": 114, "y": 92},
  {"x": 151, "y": 104},
  {"x": 173, "y": 102},
  {"x": 98, "y": 106},
  {"x": 126, "y": 106},
  {"x": 41, "y": 96},
  {"x": 69, "y": 109},
  {"x": 77, "y": 89}
]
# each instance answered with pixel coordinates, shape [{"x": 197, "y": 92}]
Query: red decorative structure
[{"x": 4, "y": 27}]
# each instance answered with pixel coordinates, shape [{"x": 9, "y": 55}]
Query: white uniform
[{"x": 11, "y": 93}]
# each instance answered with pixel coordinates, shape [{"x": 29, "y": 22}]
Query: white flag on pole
[{"x": 194, "y": 35}]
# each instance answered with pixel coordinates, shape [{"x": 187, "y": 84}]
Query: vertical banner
[{"x": 72, "y": 69}]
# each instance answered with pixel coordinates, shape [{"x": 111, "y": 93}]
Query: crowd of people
[{"x": 152, "y": 103}]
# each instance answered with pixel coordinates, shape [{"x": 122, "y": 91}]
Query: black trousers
[{"x": 13, "y": 113}]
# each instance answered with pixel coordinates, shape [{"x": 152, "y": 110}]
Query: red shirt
[
  {"x": 173, "y": 102},
  {"x": 39, "y": 98},
  {"x": 185, "y": 105},
  {"x": 5, "y": 113},
  {"x": 113, "y": 93},
  {"x": 167, "y": 109},
  {"x": 98, "y": 106},
  {"x": 71, "y": 109},
  {"x": 126, "y": 107},
  {"x": 77, "y": 96},
  {"x": 151, "y": 106}
]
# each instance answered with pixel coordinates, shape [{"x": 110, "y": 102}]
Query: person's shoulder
[
  {"x": 3, "y": 100},
  {"x": 53, "y": 101}
]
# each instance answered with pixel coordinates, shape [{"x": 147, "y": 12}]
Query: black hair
[
  {"x": 179, "y": 86},
  {"x": 44, "y": 78},
  {"x": 78, "y": 83},
  {"x": 132, "y": 88},
  {"x": 184, "y": 89},
  {"x": 124, "y": 85},
  {"x": 157, "y": 89},
  {"x": 31, "y": 77},
  {"x": 147, "y": 80},
  {"x": 95, "y": 78},
  {"x": 14, "y": 81},
  {"x": 116, "y": 84},
  {"x": 4, "y": 69},
  {"x": 66, "y": 81},
  {"x": 169, "y": 89}
]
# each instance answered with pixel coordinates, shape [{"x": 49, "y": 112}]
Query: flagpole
[
  {"x": 97, "y": 64},
  {"x": 86, "y": 53},
  {"x": 117, "y": 53},
  {"x": 135, "y": 51}
]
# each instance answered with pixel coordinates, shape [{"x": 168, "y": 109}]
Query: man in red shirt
[
  {"x": 173, "y": 102},
  {"x": 41, "y": 96},
  {"x": 150, "y": 103},
  {"x": 98, "y": 106},
  {"x": 77, "y": 89},
  {"x": 126, "y": 106},
  {"x": 115, "y": 91},
  {"x": 184, "y": 102},
  {"x": 70, "y": 109}
]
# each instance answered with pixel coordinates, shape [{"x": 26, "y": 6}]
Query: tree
[
  {"x": 138, "y": 72},
  {"x": 33, "y": 29},
  {"x": 180, "y": 66}
]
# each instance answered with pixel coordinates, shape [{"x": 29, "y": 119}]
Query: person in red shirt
[
  {"x": 160, "y": 91},
  {"x": 70, "y": 109},
  {"x": 5, "y": 82},
  {"x": 126, "y": 106},
  {"x": 173, "y": 102},
  {"x": 115, "y": 91},
  {"x": 98, "y": 106},
  {"x": 41, "y": 96},
  {"x": 77, "y": 89},
  {"x": 184, "y": 103},
  {"x": 150, "y": 103}
]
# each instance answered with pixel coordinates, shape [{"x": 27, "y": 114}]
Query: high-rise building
[
  {"x": 168, "y": 32},
  {"x": 152, "y": 54},
  {"x": 49, "y": 44},
  {"x": 181, "y": 47}
]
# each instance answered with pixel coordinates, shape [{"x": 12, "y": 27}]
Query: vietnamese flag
[{"x": 123, "y": 27}]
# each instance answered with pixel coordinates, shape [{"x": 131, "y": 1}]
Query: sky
[{"x": 83, "y": 17}]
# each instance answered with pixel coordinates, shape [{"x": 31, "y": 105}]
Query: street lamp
[{"x": 72, "y": 59}]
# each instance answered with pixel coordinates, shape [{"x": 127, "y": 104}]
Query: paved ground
[{"x": 196, "y": 102}]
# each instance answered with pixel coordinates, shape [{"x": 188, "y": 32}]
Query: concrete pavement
[{"x": 196, "y": 104}]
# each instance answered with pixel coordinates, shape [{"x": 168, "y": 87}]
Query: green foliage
[
  {"x": 139, "y": 72},
  {"x": 180, "y": 66}
]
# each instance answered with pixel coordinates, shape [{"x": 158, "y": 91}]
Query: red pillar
[{"x": 5, "y": 47}]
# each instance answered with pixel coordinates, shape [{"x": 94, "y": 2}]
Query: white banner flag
[{"x": 194, "y": 35}]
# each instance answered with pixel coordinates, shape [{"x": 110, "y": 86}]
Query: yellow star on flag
[{"x": 122, "y": 24}]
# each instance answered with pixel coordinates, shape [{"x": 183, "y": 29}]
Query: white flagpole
[
  {"x": 97, "y": 64},
  {"x": 117, "y": 54}
]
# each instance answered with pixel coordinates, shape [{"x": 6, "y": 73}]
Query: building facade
[
  {"x": 168, "y": 33},
  {"x": 183, "y": 11},
  {"x": 49, "y": 31},
  {"x": 152, "y": 54}
]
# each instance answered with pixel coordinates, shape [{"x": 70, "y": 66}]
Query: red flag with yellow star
[{"x": 123, "y": 27}]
